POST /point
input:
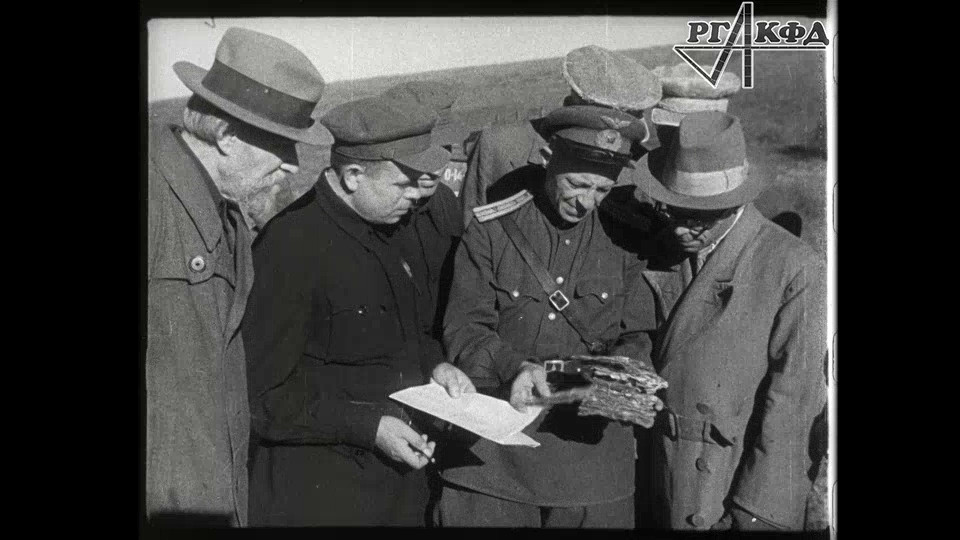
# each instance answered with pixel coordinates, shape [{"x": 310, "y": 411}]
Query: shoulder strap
[{"x": 557, "y": 299}]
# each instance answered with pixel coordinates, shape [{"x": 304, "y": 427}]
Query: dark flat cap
[
  {"x": 610, "y": 79},
  {"x": 596, "y": 133},
  {"x": 378, "y": 128},
  {"x": 437, "y": 95}
]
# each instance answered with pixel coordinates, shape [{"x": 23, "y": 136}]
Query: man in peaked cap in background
[
  {"x": 335, "y": 325},
  {"x": 435, "y": 217},
  {"x": 238, "y": 133},
  {"x": 581, "y": 293},
  {"x": 741, "y": 341},
  {"x": 596, "y": 76}
]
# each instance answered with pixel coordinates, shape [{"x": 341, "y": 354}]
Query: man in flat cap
[
  {"x": 238, "y": 134},
  {"x": 335, "y": 325},
  {"x": 742, "y": 341},
  {"x": 535, "y": 277},
  {"x": 596, "y": 76}
]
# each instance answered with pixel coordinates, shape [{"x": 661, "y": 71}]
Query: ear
[
  {"x": 227, "y": 143},
  {"x": 350, "y": 179}
]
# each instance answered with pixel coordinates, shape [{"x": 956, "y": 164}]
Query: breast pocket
[
  {"x": 362, "y": 330},
  {"x": 601, "y": 300}
]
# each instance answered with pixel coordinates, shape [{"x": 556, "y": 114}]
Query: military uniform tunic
[{"x": 499, "y": 316}]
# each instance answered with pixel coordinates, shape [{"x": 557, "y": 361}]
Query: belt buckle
[
  {"x": 555, "y": 302},
  {"x": 553, "y": 365}
]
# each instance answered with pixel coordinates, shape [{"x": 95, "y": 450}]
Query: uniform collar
[{"x": 190, "y": 182}]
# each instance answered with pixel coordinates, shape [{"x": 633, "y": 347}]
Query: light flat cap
[
  {"x": 610, "y": 79},
  {"x": 683, "y": 81}
]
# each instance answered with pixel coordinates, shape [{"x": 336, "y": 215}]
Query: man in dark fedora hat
[
  {"x": 540, "y": 276},
  {"x": 741, "y": 340},
  {"x": 238, "y": 135},
  {"x": 336, "y": 324}
]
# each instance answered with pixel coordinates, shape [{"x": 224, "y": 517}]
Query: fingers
[
  {"x": 539, "y": 376},
  {"x": 520, "y": 392},
  {"x": 407, "y": 455},
  {"x": 455, "y": 381},
  {"x": 466, "y": 385}
]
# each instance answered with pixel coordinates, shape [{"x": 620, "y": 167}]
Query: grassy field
[{"x": 784, "y": 117}]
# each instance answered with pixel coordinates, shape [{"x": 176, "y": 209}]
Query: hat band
[
  {"x": 268, "y": 103},
  {"x": 385, "y": 150},
  {"x": 704, "y": 184}
]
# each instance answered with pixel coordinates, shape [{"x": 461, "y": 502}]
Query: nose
[
  {"x": 411, "y": 192},
  {"x": 587, "y": 203}
]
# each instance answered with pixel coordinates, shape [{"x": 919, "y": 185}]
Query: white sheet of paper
[{"x": 488, "y": 417}]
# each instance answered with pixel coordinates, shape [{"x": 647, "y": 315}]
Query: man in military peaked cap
[
  {"x": 536, "y": 276},
  {"x": 596, "y": 76},
  {"x": 238, "y": 134},
  {"x": 336, "y": 324}
]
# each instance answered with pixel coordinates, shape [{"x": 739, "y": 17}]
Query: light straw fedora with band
[{"x": 705, "y": 168}]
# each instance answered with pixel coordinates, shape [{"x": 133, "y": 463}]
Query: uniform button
[
  {"x": 197, "y": 264},
  {"x": 552, "y": 316},
  {"x": 702, "y": 465},
  {"x": 696, "y": 520},
  {"x": 515, "y": 294},
  {"x": 566, "y": 242},
  {"x": 559, "y": 280},
  {"x": 703, "y": 408},
  {"x": 604, "y": 295},
  {"x": 362, "y": 310}
]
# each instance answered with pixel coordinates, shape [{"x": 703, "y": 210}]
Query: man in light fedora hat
[
  {"x": 741, "y": 340},
  {"x": 238, "y": 135}
]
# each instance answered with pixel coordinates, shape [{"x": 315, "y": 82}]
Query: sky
[{"x": 357, "y": 48}]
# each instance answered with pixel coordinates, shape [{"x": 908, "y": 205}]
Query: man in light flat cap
[
  {"x": 335, "y": 325},
  {"x": 539, "y": 276},
  {"x": 596, "y": 76},
  {"x": 742, "y": 340},
  {"x": 238, "y": 134}
]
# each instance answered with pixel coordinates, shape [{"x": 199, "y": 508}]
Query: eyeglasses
[{"x": 693, "y": 218}]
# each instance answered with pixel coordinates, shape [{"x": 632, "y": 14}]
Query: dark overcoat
[{"x": 334, "y": 326}]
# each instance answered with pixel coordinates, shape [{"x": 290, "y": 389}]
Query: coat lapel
[{"x": 711, "y": 290}]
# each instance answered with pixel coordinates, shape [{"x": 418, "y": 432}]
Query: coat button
[
  {"x": 362, "y": 310},
  {"x": 702, "y": 465},
  {"x": 515, "y": 294},
  {"x": 566, "y": 242},
  {"x": 604, "y": 295},
  {"x": 704, "y": 408},
  {"x": 696, "y": 520},
  {"x": 552, "y": 316},
  {"x": 197, "y": 264},
  {"x": 559, "y": 280}
]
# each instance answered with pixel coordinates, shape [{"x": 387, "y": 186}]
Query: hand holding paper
[{"x": 488, "y": 417}]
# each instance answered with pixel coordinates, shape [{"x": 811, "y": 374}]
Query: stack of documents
[{"x": 488, "y": 417}]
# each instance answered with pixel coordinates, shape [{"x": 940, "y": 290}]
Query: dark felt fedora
[
  {"x": 705, "y": 167},
  {"x": 260, "y": 80}
]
